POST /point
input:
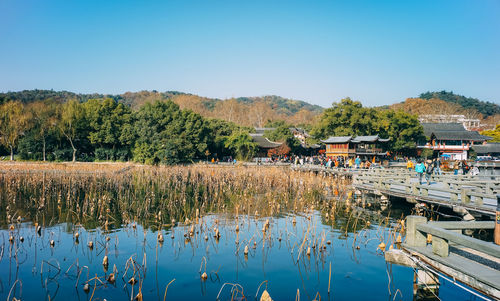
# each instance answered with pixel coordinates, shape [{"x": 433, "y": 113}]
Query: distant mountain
[
  {"x": 283, "y": 105},
  {"x": 484, "y": 107},
  {"x": 27, "y": 96},
  {"x": 248, "y": 111},
  {"x": 135, "y": 99}
]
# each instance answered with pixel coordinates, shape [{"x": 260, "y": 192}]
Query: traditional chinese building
[
  {"x": 451, "y": 140},
  {"x": 347, "y": 146},
  {"x": 487, "y": 150},
  {"x": 264, "y": 144}
]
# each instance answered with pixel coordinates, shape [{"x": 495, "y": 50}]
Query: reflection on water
[{"x": 117, "y": 236}]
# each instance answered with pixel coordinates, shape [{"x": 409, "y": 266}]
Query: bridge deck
[{"x": 475, "y": 193}]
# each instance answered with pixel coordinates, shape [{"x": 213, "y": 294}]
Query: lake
[{"x": 195, "y": 233}]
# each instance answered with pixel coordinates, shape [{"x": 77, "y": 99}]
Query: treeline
[
  {"x": 104, "y": 129},
  {"x": 486, "y": 108},
  {"x": 163, "y": 132},
  {"x": 246, "y": 111}
]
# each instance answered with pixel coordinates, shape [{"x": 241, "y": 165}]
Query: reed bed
[
  {"x": 197, "y": 204},
  {"x": 153, "y": 196}
]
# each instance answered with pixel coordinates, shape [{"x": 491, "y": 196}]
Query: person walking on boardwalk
[
  {"x": 357, "y": 162},
  {"x": 465, "y": 167},
  {"x": 437, "y": 166},
  {"x": 429, "y": 166},
  {"x": 455, "y": 167},
  {"x": 409, "y": 165},
  {"x": 420, "y": 169}
]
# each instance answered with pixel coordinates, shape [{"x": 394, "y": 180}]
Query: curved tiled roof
[
  {"x": 487, "y": 148},
  {"x": 451, "y": 131},
  {"x": 430, "y": 128},
  {"x": 359, "y": 139},
  {"x": 341, "y": 139},
  {"x": 263, "y": 142},
  {"x": 460, "y": 135}
]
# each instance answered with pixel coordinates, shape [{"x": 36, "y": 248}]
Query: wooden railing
[{"x": 444, "y": 233}]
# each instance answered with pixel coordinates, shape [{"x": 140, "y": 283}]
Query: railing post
[
  {"x": 424, "y": 191},
  {"x": 488, "y": 188},
  {"x": 478, "y": 200},
  {"x": 414, "y": 188},
  {"x": 440, "y": 246},
  {"x": 464, "y": 193},
  {"x": 414, "y": 237},
  {"x": 497, "y": 222}
]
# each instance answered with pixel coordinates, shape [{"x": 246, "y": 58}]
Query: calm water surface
[
  {"x": 356, "y": 274},
  {"x": 293, "y": 212}
]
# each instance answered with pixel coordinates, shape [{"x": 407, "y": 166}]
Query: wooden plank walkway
[
  {"x": 473, "y": 262},
  {"x": 474, "y": 193}
]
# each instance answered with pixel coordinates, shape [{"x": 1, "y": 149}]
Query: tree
[
  {"x": 72, "y": 123},
  {"x": 283, "y": 134},
  {"x": 281, "y": 150},
  {"x": 346, "y": 118},
  {"x": 45, "y": 116},
  {"x": 13, "y": 123},
  {"x": 402, "y": 128},
  {"x": 259, "y": 113},
  {"x": 242, "y": 145},
  {"x": 495, "y": 134},
  {"x": 168, "y": 135},
  {"x": 110, "y": 128},
  {"x": 219, "y": 130}
]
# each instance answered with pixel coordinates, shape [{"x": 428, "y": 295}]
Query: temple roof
[
  {"x": 460, "y": 135},
  {"x": 357, "y": 139},
  {"x": 487, "y": 148},
  {"x": 263, "y": 142},
  {"x": 430, "y": 128},
  {"x": 451, "y": 131},
  {"x": 341, "y": 139}
]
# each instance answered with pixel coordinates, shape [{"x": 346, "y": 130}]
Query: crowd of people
[
  {"x": 429, "y": 167},
  {"x": 335, "y": 162}
]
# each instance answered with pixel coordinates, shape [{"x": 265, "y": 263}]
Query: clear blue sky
[{"x": 378, "y": 52}]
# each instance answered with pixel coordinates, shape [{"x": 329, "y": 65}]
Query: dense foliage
[
  {"x": 495, "y": 134},
  {"x": 247, "y": 111},
  {"x": 484, "y": 107},
  {"x": 282, "y": 133},
  {"x": 104, "y": 129}
]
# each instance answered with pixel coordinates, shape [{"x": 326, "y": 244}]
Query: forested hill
[
  {"x": 248, "y": 111},
  {"x": 283, "y": 105},
  {"x": 484, "y": 107}
]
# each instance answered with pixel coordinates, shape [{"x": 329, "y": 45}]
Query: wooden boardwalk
[
  {"x": 476, "y": 194},
  {"x": 439, "y": 249}
]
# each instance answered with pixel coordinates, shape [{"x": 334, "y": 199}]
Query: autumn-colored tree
[
  {"x": 281, "y": 150},
  {"x": 191, "y": 102},
  {"x": 259, "y": 113},
  {"x": 495, "y": 134},
  {"x": 45, "y": 115},
  {"x": 13, "y": 123},
  {"x": 72, "y": 123},
  {"x": 421, "y": 106}
]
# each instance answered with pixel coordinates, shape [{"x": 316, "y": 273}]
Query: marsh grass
[{"x": 199, "y": 204}]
